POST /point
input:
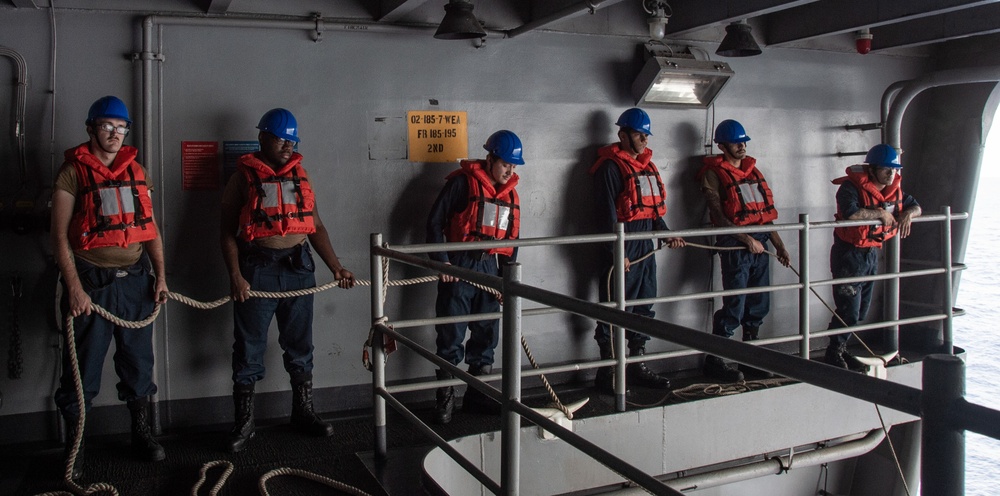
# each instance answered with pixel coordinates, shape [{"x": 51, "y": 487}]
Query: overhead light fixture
[
  {"x": 680, "y": 82},
  {"x": 459, "y": 23},
  {"x": 738, "y": 41},
  {"x": 658, "y": 21}
]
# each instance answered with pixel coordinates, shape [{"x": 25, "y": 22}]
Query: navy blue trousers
[
  {"x": 640, "y": 282},
  {"x": 852, "y": 300},
  {"x": 127, "y": 293},
  {"x": 274, "y": 270},
  {"x": 461, "y": 298},
  {"x": 742, "y": 269}
]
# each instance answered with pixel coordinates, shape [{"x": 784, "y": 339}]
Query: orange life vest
[
  {"x": 279, "y": 202},
  {"x": 113, "y": 207},
  {"x": 491, "y": 214},
  {"x": 746, "y": 197},
  {"x": 889, "y": 198},
  {"x": 643, "y": 195}
]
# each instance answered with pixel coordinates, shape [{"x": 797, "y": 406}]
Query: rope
[
  {"x": 775, "y": 255},
  {"x": 100, "y": 487},
  {"x": 203, "y": 474},
  {"x": 340, "y": 486}
]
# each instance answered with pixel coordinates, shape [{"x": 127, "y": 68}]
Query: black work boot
[
  {"x": 604, "y": 381},
  {"x": 303, "y": 416},
  {"x": 835, "y": 354},
  {"x": 476, "y": 402},
  {"x": 71, "y": 433},
  {"x": 716, "y": 368},
  {"x": 638, "y": 374},
  {"x": 144, "y": 446},
  {"x": 445, "y": 399},
  {"x": 243, "y": 424},
  {"x": 752, "y": 334}
]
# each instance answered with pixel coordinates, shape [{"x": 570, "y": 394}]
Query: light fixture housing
[
  {"x": 459, "y": 23},
  {"x": 680, "y": 82},
  {"x": 738, "y": 42}
]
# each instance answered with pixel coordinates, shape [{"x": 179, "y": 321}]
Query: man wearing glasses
[
  {"x": 268, "y": 213},
  {"x": 109, "y": 253}
]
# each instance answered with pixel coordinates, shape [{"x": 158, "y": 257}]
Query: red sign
[{"x": 200, "y": 162}]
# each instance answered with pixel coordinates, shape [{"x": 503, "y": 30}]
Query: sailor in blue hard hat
[
  {"x": 629, "y": 190},
  {"x": 737, "y": 194},
  {"x": 110, "y": 254},
  {"x": 869, "y": 191},
  {"x": 270, "y": 227},
  {"x": 479, "y": 202}
]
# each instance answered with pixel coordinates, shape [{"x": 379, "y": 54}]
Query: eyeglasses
[
  {"x": 281, "y": 142},
  {"x": 111, "y": 128}
]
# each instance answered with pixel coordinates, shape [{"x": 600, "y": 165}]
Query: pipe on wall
[
  {"x": 894, "y": 121},
  {"x": 20, "y": 98},
  {"x": 584, "y": 7},
  {"x": 773, "y": 466}
]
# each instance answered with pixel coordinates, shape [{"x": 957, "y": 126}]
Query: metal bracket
[
  {"x": 317, "y": 34},
  {"x": 864, "y": 127},
  {"x": 134, "y": 57}
]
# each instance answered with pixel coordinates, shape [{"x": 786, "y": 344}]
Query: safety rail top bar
[
  {"x": 899, "y": 397},
  {"x": 683, "y": 233}
]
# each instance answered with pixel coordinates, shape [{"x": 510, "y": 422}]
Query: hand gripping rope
[{"x": 101, "y": 487}]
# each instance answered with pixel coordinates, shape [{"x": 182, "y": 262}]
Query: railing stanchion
[
  {"x": 510, "y": 463},
  {"x": 378, "y": 353},
  {"x": 618, "y": 332},
  {"x": 804, "y": 280},
  {"x": 947, "y": 291},
  {"x": 942, "y": 458},
  {"x": 891, "y": 294}
]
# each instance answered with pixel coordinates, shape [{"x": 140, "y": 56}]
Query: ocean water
[{"x": 979, "y": 330}]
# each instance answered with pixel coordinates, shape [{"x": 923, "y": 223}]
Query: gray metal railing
[{"x": 946, "y": 413}]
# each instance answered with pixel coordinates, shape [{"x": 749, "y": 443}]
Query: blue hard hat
[
  {"x": 108, "y": 107},
  {"x": 883, "y": 156},
  {"x": 506, "y": 146},
  {"x": 730, "y": 131},
  {"x": 635, "y": 118},
  {"x": 281, "y": 123}
]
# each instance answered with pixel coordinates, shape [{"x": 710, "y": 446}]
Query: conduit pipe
[
  {"x": 886, "y": 102},
  {"x": 316, "y": 25},
  {"x": 584, "y": 7},
  {"x": 894, "y": 121},
  {"x": 20, "y": 99},
  {"x": 772, "y": 466}
]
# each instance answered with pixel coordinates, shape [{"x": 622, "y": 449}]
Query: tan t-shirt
[
  {"x": 110, "y": 256},
  {"x": 236, "y": 195}
]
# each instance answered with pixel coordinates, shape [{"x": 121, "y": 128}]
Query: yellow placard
[{"x": 436, "y": 136}]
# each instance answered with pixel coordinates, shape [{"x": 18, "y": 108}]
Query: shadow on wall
[
  {"x": 195, "y": 265},
  {"x": 687, "y": 270},
  {"x": 408, "y": 221},
  {"x": 578, "y": 213}
]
